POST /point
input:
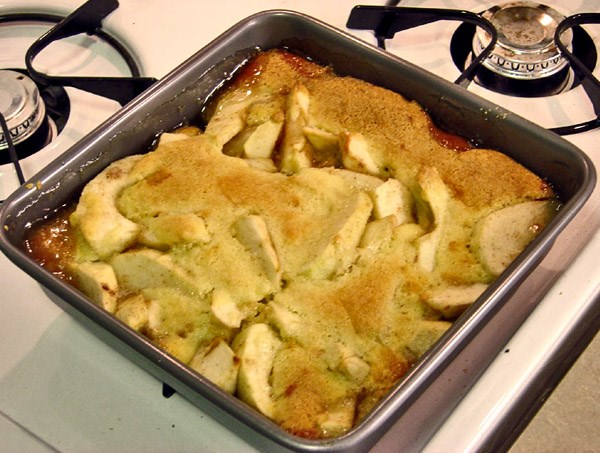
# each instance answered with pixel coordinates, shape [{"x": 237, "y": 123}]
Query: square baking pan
[{"x": 422, "y": 399}]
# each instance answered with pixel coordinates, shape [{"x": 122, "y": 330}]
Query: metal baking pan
[{"x": 419, "y": 403}]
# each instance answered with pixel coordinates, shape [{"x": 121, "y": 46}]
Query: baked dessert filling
[{"x": 305, "y": 248}]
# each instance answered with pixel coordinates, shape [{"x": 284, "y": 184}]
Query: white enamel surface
[
  {"x": 63, "y": 389},
  {"x": 76, "y": 56}
]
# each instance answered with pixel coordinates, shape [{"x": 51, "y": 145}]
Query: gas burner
[
  {"x": 520, "y": 49},
  {"x": 526, "y": 60},
  {"x": 75, "y": 75},
  {"x": 34, "y": 114},
  {"x": 21, "y": 105},
  {"x": 525, "y": 49}
]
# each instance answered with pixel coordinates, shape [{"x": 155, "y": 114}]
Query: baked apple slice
[
  {"x": 97, "y": 280},
  {"x": 219, "y": 364},
  {"x": 256, "y": 348},
  {"x": 433, "y": 199},
  {"x": 503, "y": 234}
]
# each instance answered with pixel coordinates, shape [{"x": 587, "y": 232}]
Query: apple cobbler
[{"x": 307, "y": 246}]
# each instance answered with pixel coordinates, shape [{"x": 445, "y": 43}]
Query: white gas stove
[{"x": 62, "y": 389}]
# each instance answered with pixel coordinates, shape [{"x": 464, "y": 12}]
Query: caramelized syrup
[
  {"x": 448, "y": 139},
  {"x": 51, "y": 243}
]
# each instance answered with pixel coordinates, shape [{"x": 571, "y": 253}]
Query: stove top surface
[{"x": 63, "y": 389}]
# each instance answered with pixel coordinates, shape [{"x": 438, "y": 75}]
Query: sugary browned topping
[
  {"x": 399, "y": 131},
  {"x": 275, "y": 71},
  {"x": 400, "y": 134},
  {"x": 304, "y": 211}
]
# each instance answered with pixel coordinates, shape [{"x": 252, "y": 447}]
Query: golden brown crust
[
  {"x": 401, "y": 134},
  {"x": 399, "y": 131}
]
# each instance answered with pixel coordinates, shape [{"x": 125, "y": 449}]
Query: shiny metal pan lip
[{"x": 177, "y": 98}]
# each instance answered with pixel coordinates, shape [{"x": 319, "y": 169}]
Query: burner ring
[
  {"x": 21, "y": 105},
  {"x": 526, "y": 49}
]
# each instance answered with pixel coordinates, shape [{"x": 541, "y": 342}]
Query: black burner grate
[
  {"x": 386, "y": 21},
  {"x": 86, "y": 19}
]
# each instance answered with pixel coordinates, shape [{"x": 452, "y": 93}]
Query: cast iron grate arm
[
  {"x": 386, "y": 21},
  {"x": 88, "y": 19}
]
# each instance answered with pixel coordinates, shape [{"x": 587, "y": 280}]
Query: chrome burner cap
[
  {"x": 21, "y": 105},
  {"x": 525, "y": 49}
]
